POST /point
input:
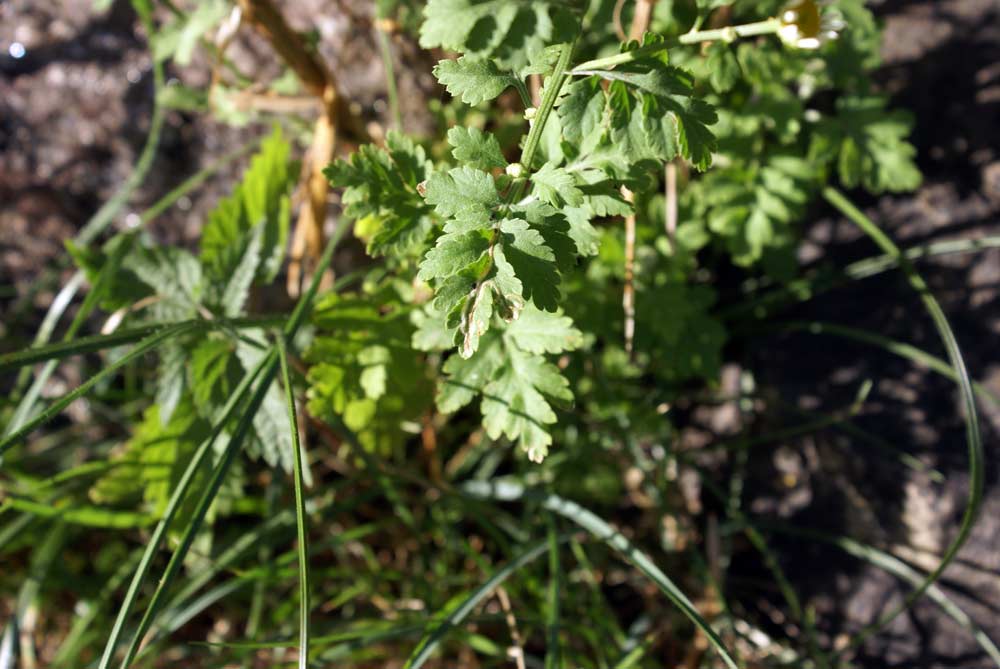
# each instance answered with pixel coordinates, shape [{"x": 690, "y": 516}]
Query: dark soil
[{"x": 74, "y": 111}]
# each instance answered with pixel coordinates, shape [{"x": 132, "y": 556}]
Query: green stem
[
  {"x": 974, "y": 439},
  {"x": 300, "y": 509},
  {"x": 727, "y": 34},
  {"x": 552, "y": 87},
  {"x": 390, "y": 79}
]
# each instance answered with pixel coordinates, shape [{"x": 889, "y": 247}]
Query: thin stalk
[
  {"x": 902, "y": 349},
  {"x": 265, "y": 370},
  {"x": 173, "y": 505},
  {"x": 56, "y": 407},
  {"x": 431, "y": 641},
  {"x": 390, "y": 77},
  {"x": 553, "y": 652},
  {"x": 552, "y": 87},
  {"x": 727, "y": 34},
  {"x": 94, "y": 343},
  {"x": 502, "y": 490},
  {"x": 805, "y": 289},
  {"x": 893, "y": 565},
  {"x": 269, "y": 368},
  {"x": 974, "y": 439},
  {"x": 300, "y": 509}
]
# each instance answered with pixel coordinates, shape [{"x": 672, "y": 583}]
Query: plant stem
[
  {"x": 300, "y": 508},
  {"x": 390, "y": 77},
  {"x": 727, "y": 34},
  {"x": 552, "y": 87}
]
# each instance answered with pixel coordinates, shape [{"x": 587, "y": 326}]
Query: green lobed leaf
[
  {"x": 475, "y": 148},
  {"x": 515, "y": 34},
  {"x": 381, "y": 193},
  {"x": 473, "y": 81}
]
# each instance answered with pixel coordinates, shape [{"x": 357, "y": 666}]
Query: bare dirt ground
[{"x": 75, "y": 108}]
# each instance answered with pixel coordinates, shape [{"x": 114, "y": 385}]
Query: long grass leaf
[
  {"x": 455, "y": 617},
  {"x": 553, "y": 654},
  {"x": 902, "y": 349},
  {"x": 140, "y": 349},
  {"x": 211, "y": 489},
  {"x": 266, "y": 371},
  {"x": 973, "y": 437},
  {"x": 899, "y": 569},
  {"x": 173, "y": 505},
  {"x": 65, "y": 349},
  {"x": 300, "y": 509},
  {"x": 588, "y": 520}
]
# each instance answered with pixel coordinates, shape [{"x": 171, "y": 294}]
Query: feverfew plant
[
  {"x": 511, "y": 254},
  {"x": 542, "y": 288}
]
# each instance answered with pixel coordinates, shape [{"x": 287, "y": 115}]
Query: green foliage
[
  {"x": 506, "y": 309},
  {"x": 260, "y": 201},
  {"x": 868, "y": 145},
  {"x": 753, "y": 209},
  {"x": 515, "y": 380},
  {"x": 363, "y": 370},
  {"x": 380, "y": 192},
  {"x": 151, "y": 462},
  {"x": 473, "y": 81},
  {"x": 509, "y": 33}
]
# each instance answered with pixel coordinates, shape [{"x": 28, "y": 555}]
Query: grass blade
[
  {"x": 266, "y": 371},
  {"x": 553, "y": 656},
  {"x": 300, "y": 510},
  {"x": 902, "y": 349},
  {"x": 173, "y": 505},
  {"x": 41, "y": 562},
  {"x": 510, "y": 491},
  {"x": 52, "y": 411},
  {"x": 973, "y": 437},
  {"x": 899, "y": 569},
  {"x": 455, "y": 617},
  {"x": 243, "y": 428}
]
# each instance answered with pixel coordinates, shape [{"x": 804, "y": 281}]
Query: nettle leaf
[
  {"x": 541, "y": 332},
  {"x": 531, "y": 261},
  {"x": 723, "y": 67},
  {"x": 237, "y": 289},
  {"x": 753, "y": 209},
  {"x": 473, "y": 81},
  {"x": 213, "y": 374},
  {"x": 453, "y": 252},
  {"x": 516, "y": 382},
  {"x": 272, "y": 437},
  {"x": 260, "y": 200},
  {"x": 174, "y": 276},
  {"x": 475, "y": 148},
  {"x": 151, "y": 463},
  {"x": 121, "y": 288},
  {"x": 583, "y": 113},
  {"x": 381, "y": 191},
  {"x": 171, "y": 380},
  {"x": 869, "y": 145},
  {"x": 514, "y": 403},
  {"x": 511, "y": 33}
]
